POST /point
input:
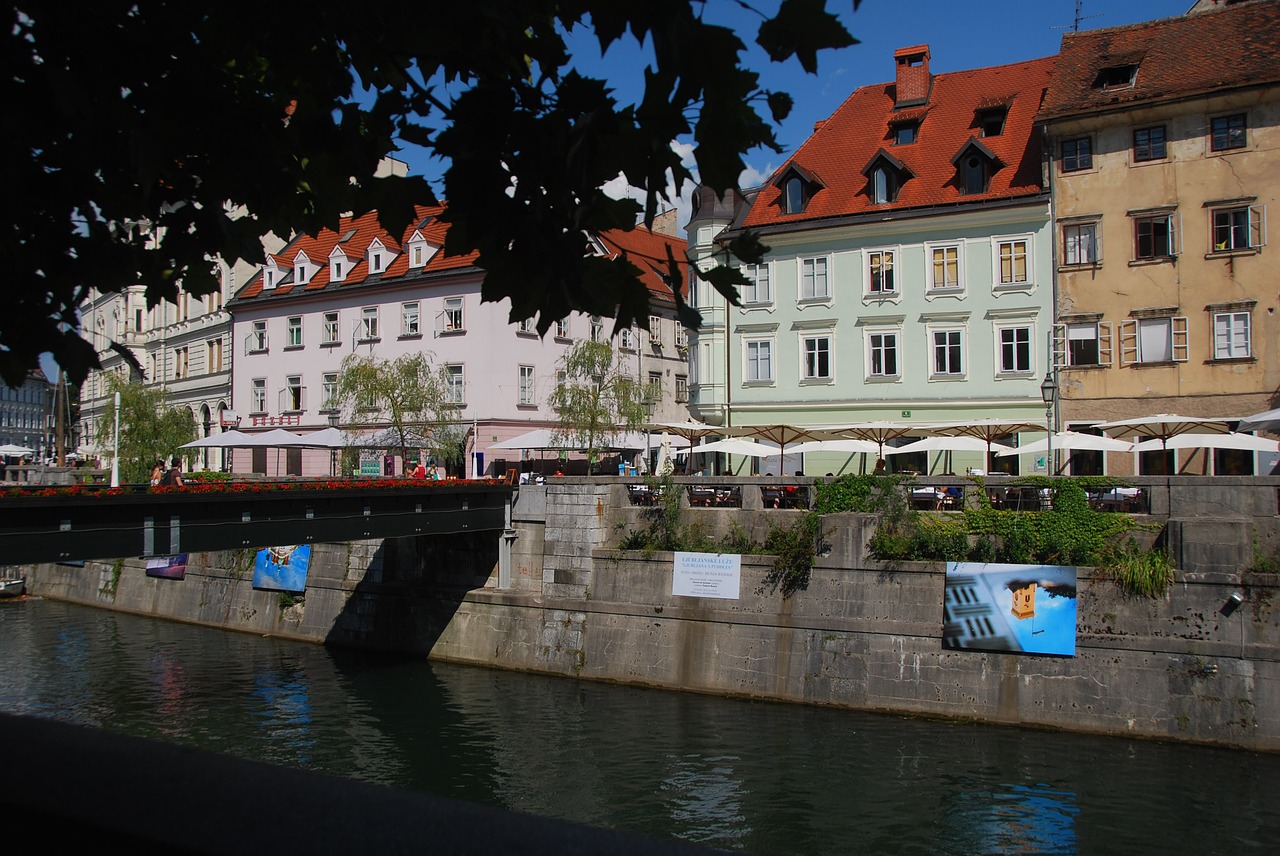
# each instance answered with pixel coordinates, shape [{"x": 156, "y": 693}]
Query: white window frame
[
  {"x": 1254, "y": 229},
  {"x": 954, "y": 347},
  {"x": 369, "y": 324},
  {"x": 1069, "y": 331},
  {"x": 1134, "y": 332},
  {"x": 1002, "y": 369},
  {"x": 1012, "y": 242},
  {"x": 874, "y": 338},
  {"x": 759, "y": 291},
  {"x": 1079, "y": 250},
  {"x": 453, "y": 317},
  {"x": 810, "y": 371},
  {"x": 877, "y": 258},
  {"x": 332, "y": 331},
  {"x": 931, "y": 265},
  {"x": 293, "y": 332},
  {"x": 758, "y": 361},
  {"x": 258, "y": 395},
  {"x": 257, "y": 342},
  {"x": 455, "y": 383},
  {"x": 562, "y": 328},
  {"x": 682, "y": 389},
  {"x": 1232, "y": 335},
  {"x": 411, "y": 318},
  {"x": 293, "y": 397},
  {"x": 815, "y": 279},
  {"x": 626, "y": 339},
  {"x": 525, "y": 390},
  {"x": 527, "y": 327},
  {"x": 329, "y": 391},
  {"x": 1173, "y": 226}
]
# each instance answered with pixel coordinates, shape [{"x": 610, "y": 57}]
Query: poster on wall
[
  {"x": 1025, "y": 609},
  {"x": 707, "y": 575},
  {"x": 282, "y": 568},
  {"x": 168, "y": 567}
]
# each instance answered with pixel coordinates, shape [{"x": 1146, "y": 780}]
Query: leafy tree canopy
[
  {"x": 408, "y": 395},
  {"x": 150, "y": 429},
  {"x": 154, "y": 133},
  {"x": 597, "y": 399}
]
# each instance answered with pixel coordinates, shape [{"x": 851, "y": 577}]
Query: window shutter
[
  {"x": 1175, "y": 234},
  {"x": 1257, "y": 225},
  {"x": 1104, "y": 343},
  {"x": 1179, "y": 327},
  {"x": 1059, "y": 345},
  {"x": 1128, "y": 341},
  {"x": 1097, "y": 242}
]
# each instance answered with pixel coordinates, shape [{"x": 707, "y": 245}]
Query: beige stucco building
[{"x": 1163, "y": 159}]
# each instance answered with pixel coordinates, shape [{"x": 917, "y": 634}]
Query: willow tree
[
  {"x": 596, "y": 399},
  {"x": 150, "y": 429},
  {"x": 407, "y": 396}
]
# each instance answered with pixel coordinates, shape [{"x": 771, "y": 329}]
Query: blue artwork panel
[
  {"x": 168, "y": 567},
  {"x": 282, "y": 568},
  {"x": 1027, "y": 609}
]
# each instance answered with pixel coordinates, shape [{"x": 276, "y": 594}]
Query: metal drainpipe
[{"x": 1055, "y": 405}]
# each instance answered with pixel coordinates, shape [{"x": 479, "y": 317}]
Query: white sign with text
[{"x": 707, "y": 575}]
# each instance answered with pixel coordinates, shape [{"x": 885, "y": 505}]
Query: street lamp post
[
  {"x": 115, "y": 450},
  {"x": 1049, "y": 393},
  {"x": 333, "y": 452}
]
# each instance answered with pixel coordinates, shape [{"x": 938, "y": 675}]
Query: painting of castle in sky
[
  {"x": 1026, "y": 609},
  {"x": 282, "y": 568}
]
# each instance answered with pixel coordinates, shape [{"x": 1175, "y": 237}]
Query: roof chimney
[{"x": 914, "y": 81}]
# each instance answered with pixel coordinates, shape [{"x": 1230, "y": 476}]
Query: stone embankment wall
[{"x": 862, "y": 634}]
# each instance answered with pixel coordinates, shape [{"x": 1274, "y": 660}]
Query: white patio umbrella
[
  {"x": 1247, "y": 442},
  {"x": 783, "y": 435},
  {"x": 690, "y": 431},
  {"x": 325, "y": 438},
  {"x": 878, "y": 432},
  {"x": 851, "y": 446},
  {"x": 224, "y": 440},
  {"x": 1268, "y": 420},
  {"x": 1071, "y": 441},
  {"x": 1165, "y": 426},
  {"x": 274, "y": 437},
  {"x": 957, "y": 443},
  {"x": 11, "y": 449},
  {"x": 734, "y": 446}
]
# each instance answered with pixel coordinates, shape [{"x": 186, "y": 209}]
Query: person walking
[
  {"x": 173, "y": 476},
  {"x": 157, "y": 473}
]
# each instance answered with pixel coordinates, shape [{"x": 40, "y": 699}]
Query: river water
[{"x": 754, "y": 777}]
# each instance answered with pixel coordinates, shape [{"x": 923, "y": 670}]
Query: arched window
[
  {"x": 975, "y": 175},
  {"x": 882, "y": 186},
  {"x": 794, "y": 195}
]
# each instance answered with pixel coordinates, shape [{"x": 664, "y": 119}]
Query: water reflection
[{"x": 750, "y": 776}]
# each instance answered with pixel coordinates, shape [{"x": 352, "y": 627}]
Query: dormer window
[
  {"x": 1116, "y": 76},
  {"x": 798, "y": 187},
  {"x": 375, "y": 262},
  {"x": 379, "y": 256},
  {"x": 794, "y": 198},
  {"x": 338, "y": 265},
  {"x": 885, "y": 177},
  {"x": 975, "y": 164},
  {"x": 337, "y": 271},
  {"x": 905, "y": 133},
  {"x": 420, "y": 252},
  {"x": 991, "y": 121}
]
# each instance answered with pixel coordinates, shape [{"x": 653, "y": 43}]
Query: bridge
[{"x": 40, "y": 525}]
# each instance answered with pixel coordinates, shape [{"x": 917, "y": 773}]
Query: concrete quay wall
[{"x": 863, "y": 634}]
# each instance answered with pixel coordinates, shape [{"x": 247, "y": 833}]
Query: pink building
[{"x": 362, "y": 291}]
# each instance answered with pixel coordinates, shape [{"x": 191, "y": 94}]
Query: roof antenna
[{"x": 1075, "y": 26}]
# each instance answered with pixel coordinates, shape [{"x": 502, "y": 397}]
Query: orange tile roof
[
  {"x": 1194, "y": 54},
  {"x": 847, "y": 142},
  {"x": 646, "y": 249}
]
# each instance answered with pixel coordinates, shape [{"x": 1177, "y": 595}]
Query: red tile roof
[
  {"x": 646, "y": 249},
  {"x": 1195, "y": 54},
  {"x": 846, "y": 143}
]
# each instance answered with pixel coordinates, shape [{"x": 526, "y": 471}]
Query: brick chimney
[{"x": 914, "y": 81}]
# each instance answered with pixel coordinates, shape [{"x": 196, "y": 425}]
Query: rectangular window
[
  {"x": 259, "y": 395},
  {"x": 1013, "y": 262},
  {"x": 1155, "y": 237},
  {"x": 817, "y": 357},
  {"x": 682, "y": 336},
  {"x": 682, "y": 389},
  {"x": 757, "y": 289},
  {"x": 653, "y": 390},
  {"x": 626, "y": 339},
  {"x": 410, "y": 319},
  {"x": 180, "y": 363},
  {"x": 369, "y": 323},
  {"x": 1161, "y": 339},
  {"x": 655, "y": 330},
  {"x": 759, "y": 361},
  {"x": 597, "y": 329},
  {"x": 257, "y": 338},
  {"x": 455, "y": 384},
  {"x": 527, "y": 327},
  {"x": 453, "y": 319},
  {"x": 1080, "y": 244},
  {"x": 944, "y": 272},
  {"x": 1085, "y": 343},
  {"x": 1149, "y": 144},
  {"x": 813, "y": 279},
  {"x": 948, "y": 348},
  {"x": 1077, "y": 154},
  {"x": 292, "y": 393},
  {"x": 883, "y": 354},
  {"x": 880, "y": 277},
  {"x": 330, "y": 328},
  {"x": 293, "y": 334},
  {"x": 213, "y": 356},
  {"x": 330, "y": 391},
  {"x": 526, "y": 385},
  {"x": 1238, "y": 228},
  {"x": 1015, "y": 350},
  {"x": 1227, "y": 132},
  {"x": 1231, "y": 335},
  {"x": 562, "y": 329}
]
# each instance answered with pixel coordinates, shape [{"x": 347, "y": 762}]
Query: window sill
[
  {"x": 756, "y": 304},
  {"x": 562, "y": 340},
  {"x": 884, "y": 379},
  {"x": 1219, "y": 361},
  {"x": 1079, "y": 266},
  {"x": 404, "y": 336},
  {"x": 757, "y": 383},
  {"x": 371, "y": 341},
  {"x": 1232, "y": 253},
  {"x": 1084, "y": 367},
  {"x": 824, "y": 300},
  {"x": 452, "y": 331},
  {"x": 1015, "y": 375},
  {"x": 293, "y": 347},
  {"x": 948, "y": 291},
  {"x": 527, "y": 334},
  {"x": 257, "y": 351},
  {"x": 1013, "y": 286},
  {"x": 332, "y": 344},
  {"x": 527, "y": 406},
  {"x": 817, "y": 381},
  {"x": 1162, "y": 364},
  {"x": 1159, "y": 260},
  {"x": 945, "y": 378},
  {"x": 881, "y": 296}
]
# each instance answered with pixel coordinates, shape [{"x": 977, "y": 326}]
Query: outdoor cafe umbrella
[
  {"x": 325, "y": 438},
  {"x": 1165, "y": 426},
  {"x": 779, "y": 433},
  {"x": 734, "y": 446},
  {"x": 224, "y": 440},
  {"x": 1247, "y": 442},
  {"x": 873, "y": 432},
  {"x": 11, "y": 450},
  {"x": 956, "y": 443},
  {"x": 1268, "y": 420},
  {"x": 850, "y": 446},
  {"x": 1071, "y": 441},
  {"x": 691, "y": 431}
]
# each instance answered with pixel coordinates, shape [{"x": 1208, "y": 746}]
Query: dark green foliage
[{"x": 793, "y": 548}]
